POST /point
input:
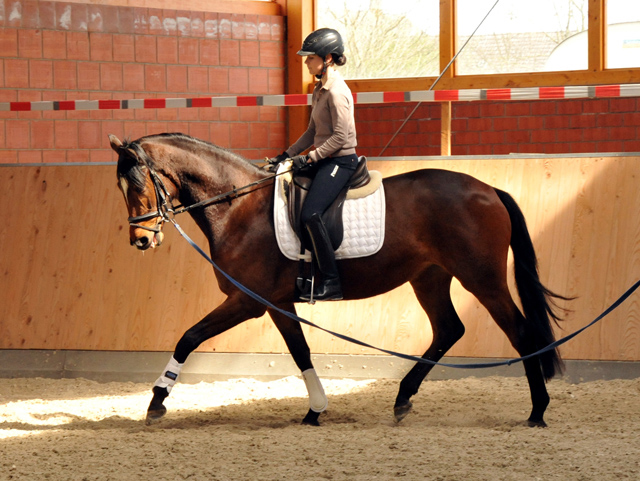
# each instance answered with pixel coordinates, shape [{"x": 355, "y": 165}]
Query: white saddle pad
[{"x": 363, "y": 219}]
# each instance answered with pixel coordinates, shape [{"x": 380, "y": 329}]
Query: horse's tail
[{"x": 538, "y": 302}]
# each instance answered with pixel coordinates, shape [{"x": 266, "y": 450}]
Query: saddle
[{"x": 296, "y": 190}]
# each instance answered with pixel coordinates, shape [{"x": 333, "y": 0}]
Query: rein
[{"x": 166, "y": 211}]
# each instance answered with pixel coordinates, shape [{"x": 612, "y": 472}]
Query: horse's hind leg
[
  {"x": 433, "y": 292},
  {"x": 498, "y": 301},
  {"x": 299, "y": 349}
]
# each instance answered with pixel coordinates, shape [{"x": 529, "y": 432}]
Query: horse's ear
[{"x": 115, "y": 142}]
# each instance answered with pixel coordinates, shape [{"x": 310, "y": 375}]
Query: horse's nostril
[{"x": 142, "y": 242}]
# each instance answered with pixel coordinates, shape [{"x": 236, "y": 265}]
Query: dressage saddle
[{"x": 296, "y": 190}]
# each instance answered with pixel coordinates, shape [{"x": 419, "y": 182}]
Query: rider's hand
[
  {"x": 278, "y": 158},
  {"x": 300, "y": 162}
]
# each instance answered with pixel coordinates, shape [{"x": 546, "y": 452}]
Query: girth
[{"x": 296, "y": 191}]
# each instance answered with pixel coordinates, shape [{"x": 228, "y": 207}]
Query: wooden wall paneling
[{"x": 71, "y": 281}]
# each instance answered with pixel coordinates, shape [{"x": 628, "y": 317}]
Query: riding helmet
[{"x": 322, "y": 42}]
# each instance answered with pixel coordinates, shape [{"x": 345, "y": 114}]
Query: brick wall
[
  {"x": 495, "y": 128},
  {"x": 73, "y": 51}
]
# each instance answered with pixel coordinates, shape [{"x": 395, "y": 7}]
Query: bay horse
[{"x": 439, "y": 225}]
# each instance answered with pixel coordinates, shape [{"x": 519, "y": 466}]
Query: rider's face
[{"x": 314, "y": 64}]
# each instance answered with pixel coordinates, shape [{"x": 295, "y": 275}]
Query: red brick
[
  {"x": 200, "y": 130},
  {"x": 530, "y": 123},
  {"x": 276, "y": 82},
  {"x": 492, "y": 137},
  {"x": 112, "y": 127},
  {"x": 623, "y": 133},
  {"x": 517, "y": 136},
  {"x": 79, "y": 17},
  {"x": 103, "y": 155},
  {"x": 209, "y": 52},
  {"x": 9, "y": 42},
  {"x": 2, "y": 136},
  {"x": 79, "y": 156},
  {"x": 480, "y": 149},
  {"x": 133, "y": 77},
  {"x": 1, "y": 73},
  {"x": 188, "y": 51},
  {"x": 631, "y": 119},
  {"x": 224, "y": 25},
  {"x": 40, "y": 74},
  {"x": 491, "y": 109},
  {"x": 569, "y": 135},
  {"x": 9, "y": 157},
  {"x": 77, "y": 46},
  {"x": 89, "y": 135},
  {"x": 583, "y": 147},
  {"x": 631, "y": 146},
  {"x": 543, "y": 136},
  {"x": 478, "y": 124},
  {"x": 16, "y": 72},
  {"x": 517, "y": 109},
  {"x": 238, "y": 26},
  {"x": 211, "y": 25},
  {"x": 167, "y": 114},
  {"x": 47, "y": 15},
  {"x": 230, "y": 52},
  {"x": 595, "y": 106},
  {"x": 198, "y": 79},
  {"x": 220, "y": 134},
  {"x": 557, "y": 122},
  {"x": 258, "y": 81},
  {"x": 135, "y": 130},
  {"x": 610, "y": 120},
  {"x": 167, "y": 50},
  {"x": 140, "y": 21},
  {"x": 249, "y": 114},
  {"x": 124, "y": 48},
  {"x": 505, "y": 123},
  {"x": 465, "y": 138},
  {"x": 54, "y": 44},
  {"x": 249, "y": 53},
  {"x": 599, "y": 133},
  {"x": 176, "y": 78},
  {"x": 569, "y": 107},
  {"x": 101, "y": 46},
  {"x": 239, "y": 135},
  {"x": 66, "y": 134},
  {"x": 272, "y": 54},
  {"x": 197, "y": 24},
  {"x": 65, "y": 75},
  {"x": 502, "y": 149},
  {"x": 218, "y": 80},
  {"x": 466, "y": 110},
  {"x": 111, "y": 76},
  {"x": 42, "y": 134},
  {"x": 543, "y": 107},
  {"x": 29, "y": 156},
  {"x": 30, "y": 43},
  {"x": 209, "y": 114},
  {"x": 155, "y": 78},
  {"x": 251, "y": 27},
  {"x": 611, "y": 146},
  {"x": 169, "y": 22},
  {"x": 145, "y": 49},
  {"x": 88, "y": 76},
  {"x": 626, "y": 104},
  {"x": 30, "y": 14},
  {"x": 582, "y": 121},
  {"x": 277, "y": 28},
  {"x": 17, "y": 132},
  {"x": 188, "y": 114},
  {"x": 125, "y": 21},
  {"x": 183, "y": 23}
]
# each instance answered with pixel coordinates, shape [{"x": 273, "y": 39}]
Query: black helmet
[{"x": 322, "y": 42}]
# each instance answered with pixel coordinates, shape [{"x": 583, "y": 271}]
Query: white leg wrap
[
  {"x": 318, "y": 401},
  {"x": 170, "y": 374}
]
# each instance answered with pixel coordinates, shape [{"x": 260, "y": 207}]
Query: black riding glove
[
  {"x": 300, "y": 162},
  {"x": 278, "y": 158}
]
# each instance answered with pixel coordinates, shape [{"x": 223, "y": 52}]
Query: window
[
  {"x": 385, "y": 38},
  {"x": 519, "y": 36},
  {"x": 623, "y": 34}
]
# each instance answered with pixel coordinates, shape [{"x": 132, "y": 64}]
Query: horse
[{"x": 439, "y": 225}]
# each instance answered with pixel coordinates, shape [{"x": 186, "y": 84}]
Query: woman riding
[{"x": 332, "y": 133}]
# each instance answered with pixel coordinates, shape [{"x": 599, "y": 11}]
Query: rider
[{"x": 332, "y": 133}]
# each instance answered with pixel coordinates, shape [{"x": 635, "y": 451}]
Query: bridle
[{"x": 166, "y": 211}]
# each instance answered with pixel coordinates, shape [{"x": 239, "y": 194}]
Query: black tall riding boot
[{"x": 330, "y": 288}]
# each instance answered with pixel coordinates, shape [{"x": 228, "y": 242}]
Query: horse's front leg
[
  {"x": 230, "y": 313},
  {"x": 299, "y": 349}
]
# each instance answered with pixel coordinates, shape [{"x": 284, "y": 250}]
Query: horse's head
[{"x": 145, "y": 193}]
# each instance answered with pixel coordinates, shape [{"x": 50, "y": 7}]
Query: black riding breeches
[{"x": 331, "y": 177}]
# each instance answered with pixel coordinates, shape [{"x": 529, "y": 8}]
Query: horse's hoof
[
  {"x": 536, "y": 424},
  {"x": 154, "y": 415},
  {"x": 400, "y": 412},
  {"x": 311, "y": 419}
]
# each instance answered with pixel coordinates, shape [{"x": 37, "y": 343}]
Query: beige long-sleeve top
[{"x": 332, "y": 127}]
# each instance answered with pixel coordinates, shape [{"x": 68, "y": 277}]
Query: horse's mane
[{"x": 133, "y": 172}]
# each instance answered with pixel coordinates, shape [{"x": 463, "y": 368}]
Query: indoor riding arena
[{"x": 539, "y": 100}]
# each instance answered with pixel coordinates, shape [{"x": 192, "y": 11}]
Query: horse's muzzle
[{"x": 148, "y": 241}]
